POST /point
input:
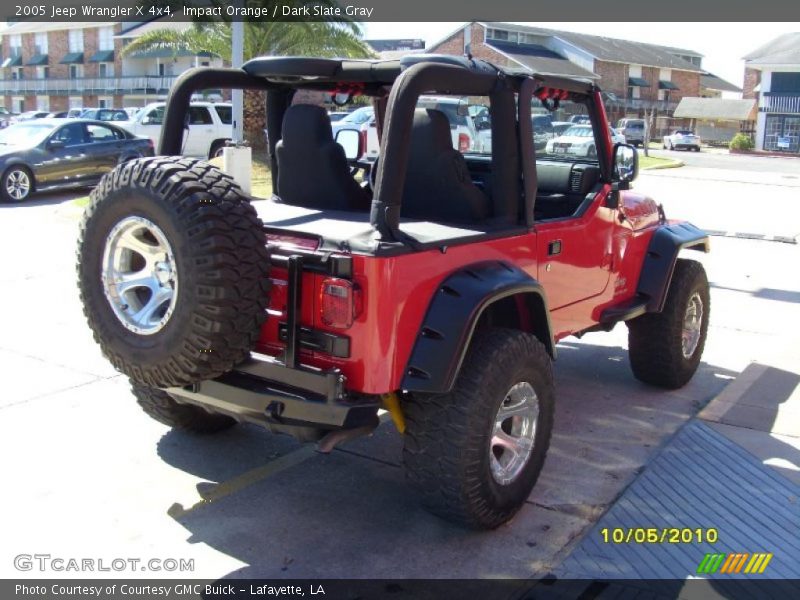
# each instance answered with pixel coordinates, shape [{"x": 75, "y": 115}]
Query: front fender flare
[{"x": 453, "y": 314}]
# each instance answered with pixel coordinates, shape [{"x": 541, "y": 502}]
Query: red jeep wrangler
[{"x": 432, "y": 283}]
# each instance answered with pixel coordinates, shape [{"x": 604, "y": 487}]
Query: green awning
[
  {"x": 102, "y": 56},
  {"x": 667, "y": 85},
  {"x": 37, "y": 60},
  {"x": 72, "y": 58},
  {"x": 12, "y": 61},
  {"x": 638, "y": 82}
]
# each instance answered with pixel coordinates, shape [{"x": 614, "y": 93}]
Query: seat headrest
[
  {"x": 432, "y": 127},
  {"x": 306, "y": 123}
]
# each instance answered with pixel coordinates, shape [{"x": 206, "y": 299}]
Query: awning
[
  {"x": 37, "y": 60},
  {"x": 638, "y": 82},
  {"x": 667, "y": 85},
  {"x": 72, "y": 58},
  {"x": 102, "y": 56},
  {"x": 12, "y": 61}
]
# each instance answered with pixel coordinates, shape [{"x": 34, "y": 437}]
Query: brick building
[
  {"x": 772, "y": 76},
  {"x": 57, "y": 66},
  {"x": 635, "y": 77}
]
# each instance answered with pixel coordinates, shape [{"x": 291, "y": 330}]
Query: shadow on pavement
[{"x": 350, "y": 513}]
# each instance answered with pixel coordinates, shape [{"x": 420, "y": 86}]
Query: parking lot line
[{"x": 246, "y": 479}]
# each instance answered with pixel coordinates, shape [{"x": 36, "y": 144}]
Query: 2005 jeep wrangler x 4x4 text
[{"x": 436, "y": 287}]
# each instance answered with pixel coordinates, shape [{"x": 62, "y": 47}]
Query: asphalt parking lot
[{"x": 89, "y": 475}]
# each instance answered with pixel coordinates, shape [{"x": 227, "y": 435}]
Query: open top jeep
[{"x": 431, "y": 283}]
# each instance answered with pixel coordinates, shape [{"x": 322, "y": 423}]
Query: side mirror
[
  {"x": 55, "y": 145},
  {"x": 146, "y": 120},
  {"x": 626, "y": 165},
  {"x": 350, "y": 141}
]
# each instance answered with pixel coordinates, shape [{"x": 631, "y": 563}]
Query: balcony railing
[
  {"x": 87, "y": 85},
  {"x": 780, "y": 103}
]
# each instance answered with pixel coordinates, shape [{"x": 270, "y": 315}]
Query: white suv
[{"x": 210, "y": 125}]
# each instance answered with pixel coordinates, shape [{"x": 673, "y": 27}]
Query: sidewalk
[{"x": 734, "y": 468}]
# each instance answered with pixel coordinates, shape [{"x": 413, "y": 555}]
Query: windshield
[
  {"x": 578, "y": 132},
  {"x": 684, "y": 132},
  {"x": 25, "y": 134},
  {"x": 362, "y": 115}
]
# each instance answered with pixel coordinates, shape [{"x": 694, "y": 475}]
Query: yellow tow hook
[{"x": 392, "y": 404}]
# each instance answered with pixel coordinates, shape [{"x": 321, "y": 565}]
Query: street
[{"x": 89, "y": 475}]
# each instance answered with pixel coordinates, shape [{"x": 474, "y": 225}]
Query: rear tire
[
  {"x": 455, "y": 446},
  {"x": 665, "y": 348},
  {"x": 159, "y": 405},
  {"x": 172, "y": 270}
]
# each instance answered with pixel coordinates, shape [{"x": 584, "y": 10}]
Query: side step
[{"x": 624, "y": 312}]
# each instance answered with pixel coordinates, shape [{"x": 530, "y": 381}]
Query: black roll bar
[{"x": 192, "y": 80}]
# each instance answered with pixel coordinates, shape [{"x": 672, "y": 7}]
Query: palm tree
[{"x": 263, "y": 37}]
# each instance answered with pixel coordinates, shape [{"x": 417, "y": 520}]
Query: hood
[{"x": 641, "y": 211}]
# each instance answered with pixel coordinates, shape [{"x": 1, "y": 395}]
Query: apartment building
[
  {"x": 635, "y": 77},
  {"x": 58, "y": 66},
  {"x": 772, "y": 76}
]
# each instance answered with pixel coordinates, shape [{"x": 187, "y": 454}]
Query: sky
[{"x": 722, "y": 44}]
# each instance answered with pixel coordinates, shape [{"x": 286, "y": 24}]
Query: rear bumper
[{"x": 264, "y": 391}]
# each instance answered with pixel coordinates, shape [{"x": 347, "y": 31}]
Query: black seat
[
  {"x": 438, "y": 185},
  {"x": 312, "y": 168}
]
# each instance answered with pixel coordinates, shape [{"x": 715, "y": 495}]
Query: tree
[{"x": 262, "y": 37}]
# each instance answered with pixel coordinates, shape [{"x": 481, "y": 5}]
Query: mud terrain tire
[
  {"x": 665, "y": 348},
  {"x": 451, "y": 439},
  {"x": 185, "y": 218}
]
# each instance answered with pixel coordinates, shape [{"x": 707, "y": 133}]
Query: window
[
  {"x": 162, "y": 69},
  {"x": 17, "y": 73},
  {"x": 42, "y": 72},
  {"x": 18, "y": 104},
  {"x": 105, "y": 70},
  {"x": 225, "y": 114},
  {"x": 199, "y": 115},
  {"x": 75, "y": 102},
  {"x": 43, "y": 103},
  {"x": 76, "y": 40},
  {"x": 15, "y": 45},
  {"x": 154, "y": 117},
  {"x": 71, "y": 135},
  {"x": 101, "y": 133},
  {"x": 40, "y": 43},
  {"x": 75, "y": 71},
  {"x": 105, "y": 38}
]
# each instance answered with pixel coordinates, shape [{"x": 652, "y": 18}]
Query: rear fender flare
[{"x": 459, "y": 303}]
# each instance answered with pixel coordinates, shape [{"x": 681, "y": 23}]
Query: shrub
[{"x": 741, "y": 141}]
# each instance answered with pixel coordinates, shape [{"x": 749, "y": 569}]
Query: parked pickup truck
[{"x": 209, "y": 126}]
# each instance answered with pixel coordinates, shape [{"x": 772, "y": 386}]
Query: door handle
[{"x": 554, "y": 248}]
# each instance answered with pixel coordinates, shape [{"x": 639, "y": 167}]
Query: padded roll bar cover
[
  {"x": 527, "y": 151},
  {"x": 396, "y": 142},
  {"x": 192, "y": 80}
]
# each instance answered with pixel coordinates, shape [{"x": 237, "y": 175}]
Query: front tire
[
  {"x": 160, "y": 406},
  {"x": 665, "y": 348},
  {"x": 475, "y": 453},
  {"x": 172, "y": 270},
  {"x": 17, "y": 184}
]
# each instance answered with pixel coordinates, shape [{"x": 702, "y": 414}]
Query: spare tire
[{"x": 173, "y": 270}]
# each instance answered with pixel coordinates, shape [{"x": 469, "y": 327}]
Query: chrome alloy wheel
[
  {"x": 692, "y": 325},
  {"x": 18, "y": 184},
  {"x": 514, "y": 433},
  {"x": 140, "y": 278}
]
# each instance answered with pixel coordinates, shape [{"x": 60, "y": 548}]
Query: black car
[{"x": 57, "y": 153}]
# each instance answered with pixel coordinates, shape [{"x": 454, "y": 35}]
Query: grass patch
[
  {"x": 81, "y": 202},
  {"x": 651, "y": 162}
]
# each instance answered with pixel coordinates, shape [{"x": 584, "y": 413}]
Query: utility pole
[{"x": 237, "y": 58}]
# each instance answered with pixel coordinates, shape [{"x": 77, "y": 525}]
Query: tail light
[
  {"x": 463, "y": 142},
  {"x": 340, "y": 302}
]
